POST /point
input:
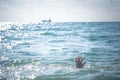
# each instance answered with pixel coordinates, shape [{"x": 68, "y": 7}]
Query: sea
[{"x": 47, "y": 50}]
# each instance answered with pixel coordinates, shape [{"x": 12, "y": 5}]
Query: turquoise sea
[{"x": 47, "y": 51}]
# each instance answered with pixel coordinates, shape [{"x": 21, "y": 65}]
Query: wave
[{"x": 49, "y": 34}]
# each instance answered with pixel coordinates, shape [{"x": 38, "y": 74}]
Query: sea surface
[{"x": 47, "y": 51}]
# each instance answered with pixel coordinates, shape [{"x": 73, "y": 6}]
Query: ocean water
[{"x": 47, "y": 51}]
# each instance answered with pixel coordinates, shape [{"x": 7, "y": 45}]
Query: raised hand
[{"x": 79, "y": 62}]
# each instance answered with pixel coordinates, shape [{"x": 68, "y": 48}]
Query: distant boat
[{"x": 49, "y": 20}]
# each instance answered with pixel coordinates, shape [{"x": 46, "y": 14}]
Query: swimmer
[{"x": 79, "y": 62}]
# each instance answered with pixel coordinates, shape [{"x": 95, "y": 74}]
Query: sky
[{"x": 59, "y": 10}]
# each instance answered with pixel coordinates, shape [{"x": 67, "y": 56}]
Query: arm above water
[{"x": 79, "y": 62}]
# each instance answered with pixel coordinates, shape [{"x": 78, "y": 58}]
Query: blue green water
[{"x": 47, "y": 51}]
